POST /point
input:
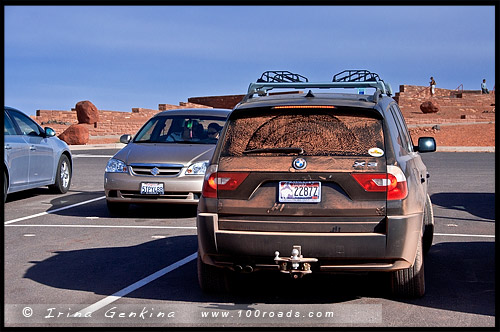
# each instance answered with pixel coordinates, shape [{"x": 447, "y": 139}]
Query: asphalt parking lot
[{"x": 66, "y": 256}]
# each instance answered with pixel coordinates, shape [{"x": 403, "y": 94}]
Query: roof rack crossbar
[
  {"x": 281, "y": 76},
  {"x": 263, "y": 87}
]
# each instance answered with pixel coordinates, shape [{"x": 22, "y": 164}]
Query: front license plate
[
  {"x": 299, "y": 191},
  {"x": 152, "y": 188}
]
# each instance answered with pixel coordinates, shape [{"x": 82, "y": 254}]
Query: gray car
[
  {"x": 166, "y": 161},
  {"x": 33, "y": 157}
]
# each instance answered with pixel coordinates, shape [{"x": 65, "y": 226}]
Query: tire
[
  {"x": 428, "y": 226},
  {"x": 117, "y": 208},
  {"x": 410, "y": 282},
  {"x": 63, "y": 176},
  {"x": 212, "y": 279}
]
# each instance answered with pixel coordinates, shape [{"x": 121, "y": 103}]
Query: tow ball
[{"x": 296, "y": 265}]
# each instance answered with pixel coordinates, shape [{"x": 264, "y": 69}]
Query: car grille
[
  {"x": 156, "y": 169},
  {"x": 166, "y": 196}
]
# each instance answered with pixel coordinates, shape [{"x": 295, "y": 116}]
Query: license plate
[
  {"x": 152, "y": 188},
  {"x": 299, "y": 191}
]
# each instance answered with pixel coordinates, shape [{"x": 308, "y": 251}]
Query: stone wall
[
  {"x": 111, "y": 125},
  {"x": 470, "y": 105},
  {"x": 455, "y": 105},
  {"x": 228, "y": 101}
]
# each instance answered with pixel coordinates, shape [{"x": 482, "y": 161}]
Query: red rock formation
[
  {"x": 86, "y": 112},
  {"x": 77, "y": 134},
  {"x": 429, "y": 107}
]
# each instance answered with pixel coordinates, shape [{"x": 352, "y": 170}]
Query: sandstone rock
[
  {"x": 76, "y": 134},
  {"x": 429, "y": 107},
  {"x": 86, "y": 112}
]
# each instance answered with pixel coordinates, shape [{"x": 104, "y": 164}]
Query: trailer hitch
[{"x": 296, "y": 265}]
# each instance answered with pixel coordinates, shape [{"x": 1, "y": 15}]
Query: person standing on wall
[
  {"x": 484, "y": 89},
  {"x": 433, "y": 86}
]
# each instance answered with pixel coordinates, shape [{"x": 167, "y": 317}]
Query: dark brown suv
[{"x": 308, "y": 182}]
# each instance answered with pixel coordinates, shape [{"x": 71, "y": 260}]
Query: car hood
[{"x": 165, "y": 153}]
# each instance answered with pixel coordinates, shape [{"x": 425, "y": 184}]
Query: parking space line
[
  {"x": 107, "y": 226},
  {"x": 466, "y": 235},
  {"x": 53, "y": 211},
  {"x": 123, "y": 292},
  {"x": 91, "y": 156}
]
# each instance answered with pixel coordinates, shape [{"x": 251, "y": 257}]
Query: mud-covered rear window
[{"x": 313, "y": 132}]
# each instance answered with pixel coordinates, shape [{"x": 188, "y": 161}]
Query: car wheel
[
  {"x": 63, "y": 176},
  {"x": 410, "y": 282},
  {"x": 117, "y": 208},
  {"x": 212, "y": 279},
  {"x": 428, "y": 226}
]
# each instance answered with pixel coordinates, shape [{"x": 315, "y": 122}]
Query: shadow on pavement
[
  {"x": 459, "y": 277},
  {"x": 481, "y": 205}
]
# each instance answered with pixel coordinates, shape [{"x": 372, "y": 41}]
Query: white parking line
[
  {"x": 91, "y": 156},
  {"x": 53, "y": 211},
  {"x": 466, "y": 235},
  {"x": 106, "y": 226},
  {"x": 121, "y": 293}
]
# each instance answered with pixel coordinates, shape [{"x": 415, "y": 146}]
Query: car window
[
  {"x": 181, "y": 129},
  {"x": 347, "y": 132},
  {"x": 404, "y": 139},
  {"x": 27, "y": 126},
  {"x": 8, "y": 126}
]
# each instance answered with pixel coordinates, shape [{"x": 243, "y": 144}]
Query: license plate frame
[
  {"x": 152, "y": 188},
  {"x": 296, "y": 192}
]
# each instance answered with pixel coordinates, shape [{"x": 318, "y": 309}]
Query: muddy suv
[{"x": 307, "y": 182}]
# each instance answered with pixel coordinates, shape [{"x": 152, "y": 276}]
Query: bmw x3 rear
[{"x": 316, "y": 182}]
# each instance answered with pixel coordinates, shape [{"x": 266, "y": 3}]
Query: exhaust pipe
[
  {"x": 238, "y": 268},
  {"x": 248, "y": 269}
]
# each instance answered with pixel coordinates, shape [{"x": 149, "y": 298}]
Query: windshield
[{"x": 181, "y": 129}]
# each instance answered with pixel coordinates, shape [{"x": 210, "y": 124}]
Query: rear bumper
[{"x": 394, "y": 250}]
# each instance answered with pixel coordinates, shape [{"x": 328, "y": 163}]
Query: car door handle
[
  {"x": 32, "y": 148},
  {"x": 7, "y": 147}
]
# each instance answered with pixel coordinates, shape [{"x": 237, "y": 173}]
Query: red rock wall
[
  {"x": 111, "y": 125},
  {"x": 471, "y": 106}
]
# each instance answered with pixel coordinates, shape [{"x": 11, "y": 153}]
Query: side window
[
  {"x": 406, "y": 141},
  {"x": 8, "y": 126},
  {"x": 28, "y": 126}
]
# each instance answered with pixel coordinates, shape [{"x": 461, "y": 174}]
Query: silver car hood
[{"x": 165, "y": 153}]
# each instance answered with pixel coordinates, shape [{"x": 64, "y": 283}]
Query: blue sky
[{"x": 122, "y": 57}]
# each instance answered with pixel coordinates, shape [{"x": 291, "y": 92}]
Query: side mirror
[
  {"x": 425, "y": 144},
  {"x": 49, "y": 132},
  {"x": 125, "y": 139}
]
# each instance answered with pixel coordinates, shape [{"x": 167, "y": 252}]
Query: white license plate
[
  {"x": 152, "y": 188},
  {"x": 299, "y": 191}
]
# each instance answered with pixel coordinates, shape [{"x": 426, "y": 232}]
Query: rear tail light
[
  {"x": 393, "y": 182},
  {"x": 215, "y": 181}
]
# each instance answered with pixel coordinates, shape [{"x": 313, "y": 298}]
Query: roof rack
[
  {"x": 352, "y": 79},
  {"x": 356, "y": 75},
  {"x": 281, "y": 76}
]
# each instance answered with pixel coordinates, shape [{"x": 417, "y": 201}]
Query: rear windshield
[{"x": 313, "y": 132}]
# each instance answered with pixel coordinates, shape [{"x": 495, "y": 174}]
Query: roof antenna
[{"x": 309, "y": 94}]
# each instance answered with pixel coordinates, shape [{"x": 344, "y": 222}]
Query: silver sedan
[
  {"x": 166, "y": 161},
  {"x": 33, "y": 157}
]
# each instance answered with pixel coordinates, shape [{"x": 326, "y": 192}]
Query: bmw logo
[
  {"x": 299, "y": 163},
  {"x": 155, "y": 171}
]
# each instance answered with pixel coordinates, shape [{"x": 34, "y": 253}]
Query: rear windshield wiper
[{"x": 276, "y": 150}]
